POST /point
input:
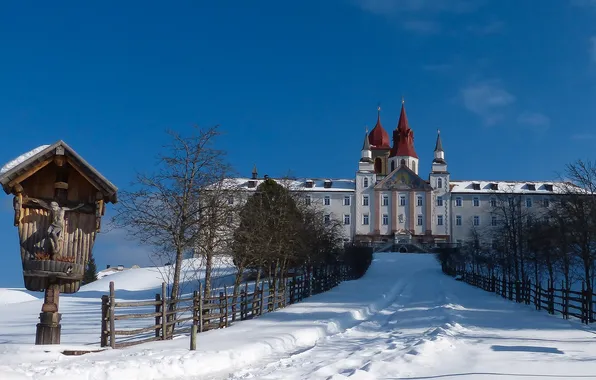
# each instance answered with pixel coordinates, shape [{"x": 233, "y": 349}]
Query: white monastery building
[{"x": 389, "y": 201}]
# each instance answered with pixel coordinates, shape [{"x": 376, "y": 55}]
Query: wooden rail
[
  {"x": 220, "y": 310},
  {"x": 561, "y": 300}
]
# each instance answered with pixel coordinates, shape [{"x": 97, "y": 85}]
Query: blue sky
[{"x": 511, "y": 85}]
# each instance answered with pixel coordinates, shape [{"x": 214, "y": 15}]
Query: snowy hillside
[{"x": 403, "y": 319}]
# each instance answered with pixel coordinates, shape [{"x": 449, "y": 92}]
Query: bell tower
[{"x": 403, "y": 152}]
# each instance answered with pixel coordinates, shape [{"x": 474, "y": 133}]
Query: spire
[
  {"x": 378, "y": 137},
  {"x": 366, "y": 145},
  {"x": 403, "y": 118},
  {"x": 366, "y": 154},
  {"x": 403, "y": 137},
  {"x": 254, "y": 172},
  {"x": 439, "y": 144}
]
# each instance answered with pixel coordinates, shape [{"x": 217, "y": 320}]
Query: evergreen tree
[{"x": 90, "y": 271}]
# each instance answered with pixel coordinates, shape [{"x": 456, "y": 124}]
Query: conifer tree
[{"x": 90, "y": 271}]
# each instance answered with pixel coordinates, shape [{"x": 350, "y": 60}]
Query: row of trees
[
  {"x": 191, "y": 206},
  {"x": 555, "y": 241}
]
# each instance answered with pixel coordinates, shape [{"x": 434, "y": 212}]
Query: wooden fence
[
  {"x": 561, "y": 300},
  {"x": 170, "y": 318}
]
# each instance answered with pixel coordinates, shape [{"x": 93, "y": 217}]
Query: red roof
[
  {"x": 378, "y": 137},
  {"x": 403, "y": 137}
]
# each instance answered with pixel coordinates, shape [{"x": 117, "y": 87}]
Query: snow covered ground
[{"x": 403, "y": 319}]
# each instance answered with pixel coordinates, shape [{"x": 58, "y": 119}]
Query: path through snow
[{"x": 436, "y": 327}]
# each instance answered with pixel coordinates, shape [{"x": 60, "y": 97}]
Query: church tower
[
  {"x": 403, "y": 152},
  {"x": 441, "y": 197},
  {"x": 380, "y": 146}
]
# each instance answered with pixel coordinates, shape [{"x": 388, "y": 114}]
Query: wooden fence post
[
  {"x": 221, "y": 311},
  {"x": 200, "y": 307},
  {"x": 551, "y": 297},
  {"x": 226, "y": 306},
  {"x": 157, "y": 317},
  {"x": 261, "y": 303},
  {"x": 193, "y": 337},
  {"x": 537, "y": 296},
  {"x": 195, "y": 308},
  {"x": 105, "y": 307},
  {"x": 112, "y": 321},
  {"x": 164, "y": 311},
  {"x": 584, "y": 304}
]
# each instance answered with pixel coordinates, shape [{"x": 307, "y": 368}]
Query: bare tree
[
  {"x": 163, "y": 208},
  {"x": 577, "y": 208}
]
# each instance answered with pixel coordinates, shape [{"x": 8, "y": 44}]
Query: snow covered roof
[
  {"x": 13, "y": 171},
  {"x": 302, "y": 184},
  {"x": 22, "y": 158},
  {"x": 516, "y": 187}
]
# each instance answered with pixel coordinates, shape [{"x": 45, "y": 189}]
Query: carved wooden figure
[{"x": 59, "y": 200}]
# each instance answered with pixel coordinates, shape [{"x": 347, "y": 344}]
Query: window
[
  {"x": 327, "y": 200},
  {"x": 493, "y": 221},
  {"x": 458, "y": 220},
  {"x": 402, "y": 162},
  {"x": 476, "y": 220},
  {"x": 327, "y": 218},
  {"x": 458, "y": 202},
  {"x": 476, "y": 202},
  {"x": 548, "y": 187},
  {"x": 419, "y": 220},
  {"x": 528, "y": 202},
  {"x": 347, "y": 219},
  {"x": 402, "y": 200},
  {"x": 365, "y": 200},
  {"x": 346, "y": 200},
  {"x": 476, "y": 186},
  {"x": 385, "y": 200},
  {"x": 493, "y": 202},
  {"x": 440, "y": 220},
  {"x": 545, "y": 202},
  {"x": 365, "y": 182},
  {"x": 385, "y": 219},
  {"x": 414, "y": 166},
  {"x": 419, "y": 200},
  {"x": 392, "y": 165},
  {"x": 365, "y": 219},
  {"x": 439, "y": 182},
  {"x": 308, "y": 200},
  {"x": 439, "y": 201}
]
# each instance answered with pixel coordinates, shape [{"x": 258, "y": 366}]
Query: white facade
[{"x": 399, "y": 205}]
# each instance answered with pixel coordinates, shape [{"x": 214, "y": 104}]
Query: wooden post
[
  {"x": 537, "y": 298},
  {"x": 221, "y": 311},
  {"x": 584, "y": 308},
  {"x": 105, "y": 305},
  {"x": 551, "y": 297},
  {"x": 245, "y": 300},
  {"x": 112, "y": 321},
  {"x": 226, "y": 306},
  {"x": 200, "y": 307},
  {"x": 195, "y": 308},
  {"x": 565, "y": 300},
  {"x": 164, "y": 311},
  {"x": 261, "y": 304},
  {"x": 193, "y": 337},
  {"x": 48, "y": 328},
  {"x": 157, "y": 317}
]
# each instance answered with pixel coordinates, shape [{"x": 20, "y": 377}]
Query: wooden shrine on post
[{"x": 59, "y": 200}]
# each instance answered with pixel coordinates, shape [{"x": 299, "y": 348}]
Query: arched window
[
  {"x": 439, "y": 183},
  {"x": 378, "y": 165},
  {"x": 414, "y": 166},
  {"x": 402, "y": 162},
  {"x": 392, "y": 165}
]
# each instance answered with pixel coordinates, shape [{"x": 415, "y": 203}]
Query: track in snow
[{"x": 437, "y": 327}]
